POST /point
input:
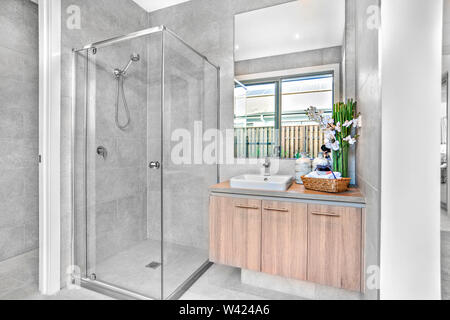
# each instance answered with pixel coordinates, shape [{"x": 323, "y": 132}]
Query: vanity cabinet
[
  {"x": 284, "y": 239},
  {"x": 334, "y": 246},
  {"x": 311, "y": 242},
  {"x": 235, "y": 232}
]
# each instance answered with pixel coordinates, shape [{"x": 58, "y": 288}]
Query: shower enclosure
[{"x": 140, "y": 185}]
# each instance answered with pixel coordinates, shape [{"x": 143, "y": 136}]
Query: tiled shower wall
[
  {"x": 118, "y": 178},
  {"x": 18, "y": 128}
]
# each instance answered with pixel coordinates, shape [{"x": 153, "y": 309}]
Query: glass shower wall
[
  {"x": 142, "y": 228},
  {"x": 190, "y": 111}
]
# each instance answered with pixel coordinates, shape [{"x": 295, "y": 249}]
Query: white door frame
[{"x": 49, "y": 145}]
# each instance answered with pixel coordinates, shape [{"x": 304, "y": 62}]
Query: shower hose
[{"x": 120, "y": 89}]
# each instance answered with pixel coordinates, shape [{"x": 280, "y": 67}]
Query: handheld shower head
[{"x": 133, "y": 58}]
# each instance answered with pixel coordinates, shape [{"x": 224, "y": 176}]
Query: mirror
[{"x": 288, "y": 58}]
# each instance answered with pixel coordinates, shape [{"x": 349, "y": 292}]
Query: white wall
[{"x": 411, "y": 77}]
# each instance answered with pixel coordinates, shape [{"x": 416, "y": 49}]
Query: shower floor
[{"x": 129, "y": 269}]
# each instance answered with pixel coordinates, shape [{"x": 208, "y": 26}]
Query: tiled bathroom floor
[
  {"x": 128, "y": 269},
  {"x": 18, "y": 273},
  {"x": 19, "y": 281},
  {"x": 224, "y": 283}
]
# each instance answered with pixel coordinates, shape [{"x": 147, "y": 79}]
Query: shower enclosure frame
[{"x": 94, "y": 284}]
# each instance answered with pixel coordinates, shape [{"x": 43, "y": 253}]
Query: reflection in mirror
[{"x": 287, "y": 58}]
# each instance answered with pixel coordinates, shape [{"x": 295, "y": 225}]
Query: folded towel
[{"x": 324, "y": 175}]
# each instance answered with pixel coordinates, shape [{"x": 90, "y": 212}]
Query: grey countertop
[{"x": 296, "y": 191}]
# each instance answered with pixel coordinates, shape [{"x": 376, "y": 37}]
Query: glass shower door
[
  {"x": 190, "y": 117},
  {"x": 123, "y": 193}
]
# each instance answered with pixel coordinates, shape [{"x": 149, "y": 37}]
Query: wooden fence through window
[{"x": 259, "y": 142}]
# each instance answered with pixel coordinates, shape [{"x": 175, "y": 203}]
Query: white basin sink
[{"x": 272, "y": 183}]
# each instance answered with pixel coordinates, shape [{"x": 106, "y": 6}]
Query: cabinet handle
[
  {"x": 275, "y": 209},
  {"x": 241, "y": 206},
  {"x": 328, "y": 214}
]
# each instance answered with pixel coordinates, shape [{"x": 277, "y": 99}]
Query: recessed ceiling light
[
  {"x": 236, "y": 47},
  {"x": 297, "y": 36}
]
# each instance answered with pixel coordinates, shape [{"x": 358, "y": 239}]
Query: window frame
[{"x": 277, "y": 78}]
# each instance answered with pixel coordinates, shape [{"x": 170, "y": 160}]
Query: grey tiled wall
[{"x": 18, "y": 128}]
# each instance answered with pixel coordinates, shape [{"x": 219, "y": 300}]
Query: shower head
[{"x": 133, "y": 58}]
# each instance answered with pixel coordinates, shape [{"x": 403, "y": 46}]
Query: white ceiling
[
  {"x": 153, "y": 5},
  {"x": 296, "y": 26}
]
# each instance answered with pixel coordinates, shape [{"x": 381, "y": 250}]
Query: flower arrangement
[{"x": 340, "y": 132}]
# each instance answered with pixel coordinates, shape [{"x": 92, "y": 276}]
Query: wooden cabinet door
[
  {"x": 235, "y": 232},
  {"x": 220, "y": 230},
  {"x": 284, "y": 239},
  {"x": 334, "y": 246}
]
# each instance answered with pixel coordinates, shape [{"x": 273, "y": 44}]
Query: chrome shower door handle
[{"x": 154, "y": 165}]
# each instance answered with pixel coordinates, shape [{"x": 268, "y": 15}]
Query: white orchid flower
[
  {"x": 335, "y": 146},
  {"x": 348, "y": 123},
  {"x": 330, "y": 135},
  {"x": 332, "y": 144},
  {"x": 357, "y": 122},
  {"x": 350, "y": 140},
  {"x": 338, "y": 127}
]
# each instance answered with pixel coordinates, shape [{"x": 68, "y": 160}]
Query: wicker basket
[{"x": 326, "y": 185}]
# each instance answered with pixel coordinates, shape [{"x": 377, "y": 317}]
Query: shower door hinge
[
  {"x": 94, "y": 50},
  {"x": 39, "y": 158}
]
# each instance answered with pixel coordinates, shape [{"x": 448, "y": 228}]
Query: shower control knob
[
  {"x": 154, "y": 165},
  {"x": 102, "y": 151}
]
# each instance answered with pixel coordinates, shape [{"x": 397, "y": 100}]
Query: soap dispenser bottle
[{"x": 303, "y": 166}]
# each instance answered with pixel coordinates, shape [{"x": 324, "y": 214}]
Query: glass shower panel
[
  {"x": 189, "y": 110},
  {"x": 123, "y": 133}
]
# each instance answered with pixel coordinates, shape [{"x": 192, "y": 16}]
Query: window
[
  {"x": 272, "y": 115},
  {"x": 255, "y": 119}
]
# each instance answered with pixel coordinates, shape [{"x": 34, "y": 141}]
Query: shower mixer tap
[{"x": 103, "y": 152}]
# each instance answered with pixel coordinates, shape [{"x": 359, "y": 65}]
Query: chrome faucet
[{"x": 266, "y": 166}]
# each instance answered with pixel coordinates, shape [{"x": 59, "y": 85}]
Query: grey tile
[
  {"x": 12, "y": 242},
  {"x": 8, "y": 285},
  {"x": 224, "y": 283},
  {"x": 17, "y": 210},
  {"x": 11, "y": 124},
  {"x": 19, "y": 94},
  {"x": 23, "y": 268},
  {"x": 105, "y": 217},
  {"x": 113, "y": 184},
  {"x": 13, "y": 184},
  {"x": 18, "y": 153}
]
